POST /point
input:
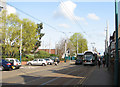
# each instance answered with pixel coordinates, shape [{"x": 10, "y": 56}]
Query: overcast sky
[{"x": 88, "y": 18}]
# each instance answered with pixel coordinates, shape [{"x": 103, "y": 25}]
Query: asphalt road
[{"x": 63, "y": 74}]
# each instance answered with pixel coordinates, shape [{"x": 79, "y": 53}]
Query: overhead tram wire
[
  {"x": 36, "y": 18},
  {"x": 70, "y": 14}
]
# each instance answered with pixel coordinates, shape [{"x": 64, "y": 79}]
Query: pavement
[{"x": 100, "y": 76}]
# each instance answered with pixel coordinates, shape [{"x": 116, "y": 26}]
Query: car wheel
[
  {"x": 43, "y": 64},
  {"x": 29, "y": 64},
  {"x": 10, "y": 69}
]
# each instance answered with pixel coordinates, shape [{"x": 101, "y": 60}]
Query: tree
[
  {"x": 11, "y": 27},
  {"x": 38, "y": 30},
  {"x": 82, "y": 42},
  {"x": 10, "y": 33},
  {"x": 60, "y": 48},
  {"x": 29, "y": 35},
  {"x": 72, "y": 45}
]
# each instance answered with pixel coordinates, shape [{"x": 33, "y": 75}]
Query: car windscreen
[
  {"x": 88, "y": 57},
  {"x": 78, "y": 59},
  {"x": 47, "y": 59}
]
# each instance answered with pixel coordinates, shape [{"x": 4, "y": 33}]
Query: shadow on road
[
  {"x": 31, "y": 81},
  {"x": 61, "y": 77}
]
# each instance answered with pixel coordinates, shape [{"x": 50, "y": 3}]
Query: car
[
  {"x": 15, "y": 62},
  {"x": 78, "y": 61},
  {"x": 37, "y": 61},
  {"x": 49, "y": 61},
  {"x": 5, "y": 65}
]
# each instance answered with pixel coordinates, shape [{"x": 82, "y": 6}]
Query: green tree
[
  {"x": 29, "y": 35},
  {"x": 11, "y": 27},
  {"x": 82, "y": 43},
  {"x": 38, "y": 30},
  {"x": 10, "y": 33}
]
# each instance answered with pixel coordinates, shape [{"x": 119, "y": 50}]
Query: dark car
[
  {"x": 78, "y": 61},
  {"x": 5, "y": 65}
]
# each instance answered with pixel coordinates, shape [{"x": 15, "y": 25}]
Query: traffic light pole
[{"x": 116, "y": 64}]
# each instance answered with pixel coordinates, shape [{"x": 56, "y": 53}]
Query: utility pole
[
  {"x": 116, "y": 64},
  {"x": 65, "y": 49},
  {"x": 56, "y": 49},
  {"x": 93, "y": 46},
  {"x": 49, "y": 46},
  {"x": 106, "y": 44},
  {"x": 77, "y": 43},
  {"x": 21, "y": 43}
]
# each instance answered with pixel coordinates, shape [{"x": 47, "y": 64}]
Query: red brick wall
[{"x": 47, "y": 50}]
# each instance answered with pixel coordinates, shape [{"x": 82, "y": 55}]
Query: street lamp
[{"x": 21, "y": 43}]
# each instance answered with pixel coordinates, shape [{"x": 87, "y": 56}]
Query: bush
[
  {"x": 42, "y": 54},
  {"x": 29, "y": 55},
  {"x": 27, "y": 59},
  {"x": 53, "y": 55},
  {"x": 62, "y": 59}
]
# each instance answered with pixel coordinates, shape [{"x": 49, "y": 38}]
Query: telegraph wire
[
  {"x": 74, "y": 19},
  {"x": 35, "y": 18}
]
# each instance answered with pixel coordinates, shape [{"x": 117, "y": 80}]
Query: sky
[{"x": 67, "y": 17}]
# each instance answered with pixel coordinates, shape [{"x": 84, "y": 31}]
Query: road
[{"x": 63, "y": 74}]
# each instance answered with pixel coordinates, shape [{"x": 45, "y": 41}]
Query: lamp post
[{"x": 21, "y": 43}]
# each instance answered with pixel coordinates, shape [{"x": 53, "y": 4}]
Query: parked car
[
  {"x": 49, "y": 61},
  {"x": 5, "y": 65},
  {"x": 15, "y": 62},
  {"x": 78, "y": 61},
  {"x": 42, "y": 62}
]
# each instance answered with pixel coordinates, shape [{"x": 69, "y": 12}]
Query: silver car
[
  {"x": 49, "y": 61},
  {"x": 42, "y": 62}
]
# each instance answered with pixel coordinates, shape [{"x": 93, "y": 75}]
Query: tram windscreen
[{"x": 88, "y": 57}]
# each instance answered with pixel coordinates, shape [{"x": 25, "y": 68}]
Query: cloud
[
  {"x": 66, "y": 9},
  {"x": 64, "y": 25},
  {"x": 93, "y": 16},
  {"x": 11, "y": 9}
]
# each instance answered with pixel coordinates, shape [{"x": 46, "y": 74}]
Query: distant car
[
  {"x": 5, "y": 65},
  {"x": 78, "y": 61},
  {"x": 49, "y": 61},
  {"x": 42, "y": 62},
  {"x": 15, "y": 62}
]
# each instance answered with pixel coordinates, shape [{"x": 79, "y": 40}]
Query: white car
[
  {"x": 49, "y": 61},
  {"x": 15, "y": 62},
  {"x": 37, "y": 62}
]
